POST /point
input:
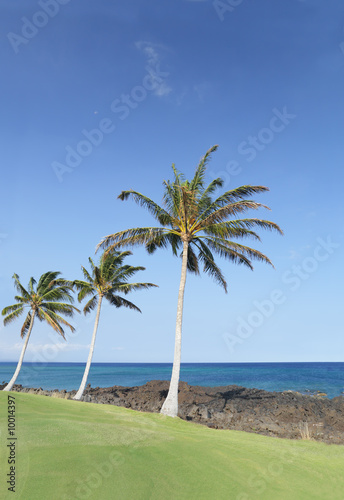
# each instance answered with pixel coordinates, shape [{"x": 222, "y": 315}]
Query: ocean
[{"x": 303, "y": 377}]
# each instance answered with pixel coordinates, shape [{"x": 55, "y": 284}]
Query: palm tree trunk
[
  {"x": 20, "y": 362},
  {"x": 170, "y": 406},
  {"x": 80, "y": 392}
]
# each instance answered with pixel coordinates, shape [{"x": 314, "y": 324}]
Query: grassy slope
[{"x": 70, "y": 450}]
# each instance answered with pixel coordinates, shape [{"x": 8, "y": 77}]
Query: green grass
[{"x": 68, "y": 451}]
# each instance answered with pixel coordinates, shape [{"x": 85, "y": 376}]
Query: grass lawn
[{"x": 69, "y": 450}]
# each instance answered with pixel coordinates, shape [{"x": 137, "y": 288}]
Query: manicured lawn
[{"x": 69, "y": 450}]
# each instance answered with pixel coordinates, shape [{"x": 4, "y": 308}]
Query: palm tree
[
  {"x": 45, "y": 303},
  {"x": 192, "y": 220},
  {"x": 106, "y": 281}
]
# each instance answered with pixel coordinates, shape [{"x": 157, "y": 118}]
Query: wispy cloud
[{"x": 152, "y": 52}]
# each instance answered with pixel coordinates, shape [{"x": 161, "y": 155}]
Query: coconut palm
[
  {"x": 45, "y": 303},
  {"x": 106, "y": 281},
  {"x": 192, "y": 221}
]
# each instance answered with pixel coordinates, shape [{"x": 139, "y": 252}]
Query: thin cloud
[{"x": 151, "y": 52}]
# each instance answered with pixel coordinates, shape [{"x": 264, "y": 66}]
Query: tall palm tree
[
  {"x": 106, "y": 281},
  {"x": 45, "y": 303},
  {"x": 202, "y": 227}
]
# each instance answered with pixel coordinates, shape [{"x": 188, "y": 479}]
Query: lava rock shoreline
[{"x": 280, "y": 414}]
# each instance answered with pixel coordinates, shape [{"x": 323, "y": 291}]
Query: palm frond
[
  {"x": 20, "y": 287},
  {"x": 26, "y": 325},
  {"x": 12, "y": 314},
  {"x": 57, "y": 294},
  {"x": 46, "y": 281},
  {"x": 32, "y": 282},
  {"x": 163, "y": 241},
  {"x": 197, "y": 182},
  {"x": 192, "y": 262},
  {"x": 230, "y": 230},
  {"x": 130, "y": 237},
  {"x": 60, "y": 307},
  {"x": 205, "y": 200},
  {"x": 209, "y": 265},
  {"x": 130, "y": 287},
  {"x": 85, "y": 289},
  {"x": 243, "y": 253},
  {"x": 222, "y": 213},
  {"x": 55, "y": 321},
  {"x": 10, "y": 309},
  {"x": 117, "y": 301},
  {"x": 91, "y": 304},
  {"x": 158, "y": 212}
]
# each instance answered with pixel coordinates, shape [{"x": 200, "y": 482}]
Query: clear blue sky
[{"x": 163, "y": 81}]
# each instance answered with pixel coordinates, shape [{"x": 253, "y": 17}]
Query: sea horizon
[{"x": 309, "y": 377}]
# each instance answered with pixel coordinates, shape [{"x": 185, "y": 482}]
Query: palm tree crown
[
  {"x": 190, "y": 215},
  {"x": 44, "y": 302},
  {"x": 108, "y": 280}
]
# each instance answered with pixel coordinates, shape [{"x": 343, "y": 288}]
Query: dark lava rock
[{"x": 281, "y": 414}]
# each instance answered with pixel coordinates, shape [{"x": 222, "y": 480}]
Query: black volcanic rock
[{"x": 280, "y": 414}]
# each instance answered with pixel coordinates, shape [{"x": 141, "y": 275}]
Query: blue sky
[{"x": 103, "y": 96}]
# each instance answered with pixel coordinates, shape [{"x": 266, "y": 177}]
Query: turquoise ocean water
[{"x": 302, "y": 377}]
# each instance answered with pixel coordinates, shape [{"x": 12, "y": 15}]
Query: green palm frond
[
  {"x": 125, "y": 272},
  {"x": 222, "y": 213},
  {"x": 32, "y": 282},
  {"x": 130, "y": 237},
  {"x": 85, "y": 289},
  {"x": 10, "y": 309},
  {"x": 171, "y": 200},
  {"x": 55, "y": 321},
  {"x": 197, "y": 182},
  {"x": 26, "y": 325},
  {"x": 162, "y": 216},
  {"x": 205, "y": 198},
  {"x": 165, "y": 240},
  {"x": 130, "y": 287},
  {"x": 59, "y": 293},
  {"x": 91, "y": 304},
  {"x": 11, "y": 313},
  {"x": 209, "y": 265},
  {"x": 86, "y": 274},
  {"x": 229, "y": 230},
  {"x": 46, "y": 281},
  {"x": 58, "y": 307},
  {"x": 234, "y": 195},
  {"x": 20, "y": 287},
  {"x": 192, "y": 262},
  {"x": 117, "y": 301}
]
